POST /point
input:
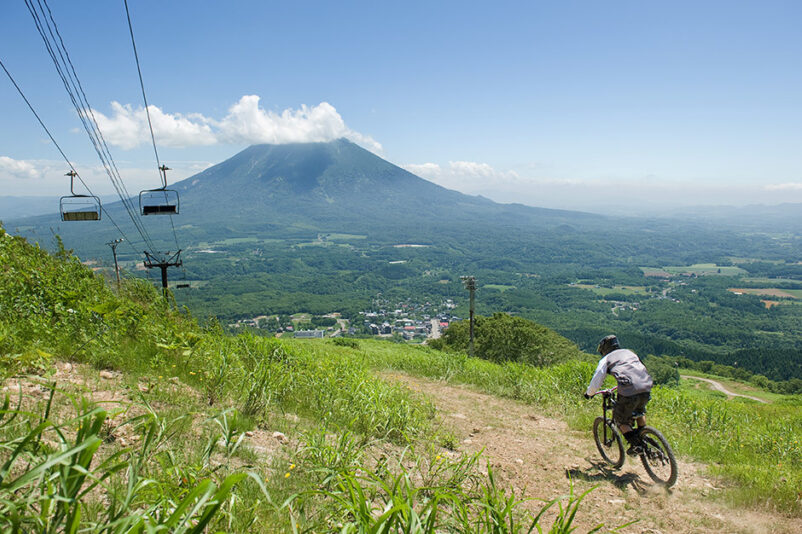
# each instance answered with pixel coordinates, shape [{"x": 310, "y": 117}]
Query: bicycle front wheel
[
  {"x": 608, "y": 441},
  {"x": 657, "y": 457}
]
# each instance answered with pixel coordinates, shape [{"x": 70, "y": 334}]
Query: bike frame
[{"x": 608, "y": 403}]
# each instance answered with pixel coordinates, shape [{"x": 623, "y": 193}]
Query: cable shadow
[{"x": 601, "y": 472}]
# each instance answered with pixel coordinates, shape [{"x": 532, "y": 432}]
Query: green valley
[{"x": 118, "y": 397}]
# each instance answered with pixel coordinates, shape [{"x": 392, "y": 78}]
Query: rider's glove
[{"x": 587, "y": 396}]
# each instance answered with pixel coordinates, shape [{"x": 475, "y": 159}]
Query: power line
[
  {"x": 45, "y": 24},
  {"x": 141, "y": 83},
  {"x": 58, "y": 147},
  {"x": 88, "y": 117}
]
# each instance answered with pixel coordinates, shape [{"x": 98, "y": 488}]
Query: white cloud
[
  {"x": 789, "y": 186},
  {"x": 128, "y": 127},
  {"x": 430, "y": 171},
  {"x": 465, "y": 176},
  {"x": 20, "y": 169},
  {"x": 246, "y": 122},
  {"x": 473, "y": 169}
]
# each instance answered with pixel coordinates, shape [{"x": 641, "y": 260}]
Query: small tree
[{"x": 503, "y": 338}]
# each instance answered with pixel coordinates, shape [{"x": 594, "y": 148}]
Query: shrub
[
  {"x": 503, "y": 338},
  {"x": 663, "y": 370},
  {"x": 346, "y": 342}
]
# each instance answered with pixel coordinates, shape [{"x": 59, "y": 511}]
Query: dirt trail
[
  {"x": 536, "y": 455},
  {"x": 718, "y": 387}
]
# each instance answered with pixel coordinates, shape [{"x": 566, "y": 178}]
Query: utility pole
[
  {"x": 152, "y": 262},
  {"x": 470, "y": 284},
  {"x": 113, "y": 245}
]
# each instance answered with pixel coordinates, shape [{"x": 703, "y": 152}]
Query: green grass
[
  {"x": 604, "y": 291},
  {"x": 498, "y": 287}
]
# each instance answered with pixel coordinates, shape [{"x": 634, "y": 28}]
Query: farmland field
[
  {"x": 603, "y": 291},
  {"x": 345, "y": 237},
  {"x": 652, "y": 271},
  {"x": 498, "y": 287},
  {"x": 750, "y": 260},
  {"x": 701, "y": 269},
  {"x": 769, "y": 292},
  {"x": 771, "y": 281}
]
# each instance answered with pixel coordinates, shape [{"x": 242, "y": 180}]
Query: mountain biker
[{"x": 634, "y": 388}]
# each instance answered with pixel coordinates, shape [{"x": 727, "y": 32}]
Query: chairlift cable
[
  {"x": 86, "y": 114},
  {"x": 141, "y": 83},
  {"x": 80, "y": 102},
  {"x": 162, "y": 169},
  {"x": 58, "y": 147}
]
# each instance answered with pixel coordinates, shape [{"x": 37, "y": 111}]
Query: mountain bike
[{"x": 656, "y": 454}]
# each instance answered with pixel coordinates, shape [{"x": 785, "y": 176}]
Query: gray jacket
[{"x": 628, "y": 370}]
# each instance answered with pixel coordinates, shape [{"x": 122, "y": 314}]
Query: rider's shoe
[
  {"x": 635, "y": 450},
  {"x": 635, "y": 444}
]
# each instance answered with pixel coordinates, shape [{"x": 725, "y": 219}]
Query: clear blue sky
[{"x": 570, "y": 104}]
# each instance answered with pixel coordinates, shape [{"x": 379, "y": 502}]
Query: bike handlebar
[{"x": 606, "y": 392}]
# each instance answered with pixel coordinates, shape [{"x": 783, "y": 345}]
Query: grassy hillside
[
  {"x": 123, "y": 415},
  {"x": 756, "y": 448}
]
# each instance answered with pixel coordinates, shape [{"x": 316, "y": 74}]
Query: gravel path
[
  {"x": 539, "y": 456},
  {"x": 718, "y": 387}
]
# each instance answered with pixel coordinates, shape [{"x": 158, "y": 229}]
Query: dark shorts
[{"x": 628, "y": 408}]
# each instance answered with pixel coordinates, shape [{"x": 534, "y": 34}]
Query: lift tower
[
  {"x": 470, "y": 284},
  {"x": 152, "y": 262},
  {"x": 113, "y": 245}
]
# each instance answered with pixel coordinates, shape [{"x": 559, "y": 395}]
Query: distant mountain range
[
  {"x": 298, "y": 190},
  {"x": 339, "y": 186},
  {"x": 17, "y": 207},
  {"x": 780, "y": 218}
]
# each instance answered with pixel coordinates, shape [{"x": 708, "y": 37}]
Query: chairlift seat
[
  {"x": 80, "y": 208},
  {"x": 159, "y": 210},
  {"x": 158, "y": 202},
  {"x": 80, "y": 216}
]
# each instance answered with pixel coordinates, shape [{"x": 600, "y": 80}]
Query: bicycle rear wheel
[
  {"x": 657, "y": 457},
  {"x": 608, "y": 441}
]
